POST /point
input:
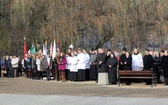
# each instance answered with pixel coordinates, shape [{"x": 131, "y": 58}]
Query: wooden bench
[{"x": 143, "y": 75}]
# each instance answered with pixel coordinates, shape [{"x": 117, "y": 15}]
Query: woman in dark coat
[
  {"x": 127, "y": 62},
  {"x": 157, "y": 66},
  {"x": 164, "y": 63},
  {"x": 112, "y": 69},
  {"x": 127, "y": 65}
]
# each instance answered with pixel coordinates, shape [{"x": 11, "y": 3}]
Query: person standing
[
  {"x": 148, "y": 61},
  {"x": 122, "y": 58},
  {"x": 9, "y": 67},
  {"x": 93, "y": 65},
  {"x": 49, "y": 64},
  {"x": 43, "y": 66},
  {"x": 67, "y": 72},
  {"x": 102, "y": 67},
  {"x": 164, "y": 65},
  {"x": 73, "y": 67},
  {"x": 3, "y": 67},
  {"x": 28, "y": 65},
  {"x": 14, "y": 62},
  {"x": 33, "y": 67},
  {"x": 127, "y": 64},
  {"x": 20, "y": 67},
  {"x": 62, "y": 66},
  {"x": 38, "y": 63},
  {"x": 137, "y": 61},
  {"x": 87, "y": 65},
  {"x": 81, "y": 66},
  {"x": 157, "y": 66},
  {"x": 55, "y": 68},
  {"x": 112, "y": 69}
]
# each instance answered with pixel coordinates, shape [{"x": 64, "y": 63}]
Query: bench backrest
[{"x": 135, "y": 73}]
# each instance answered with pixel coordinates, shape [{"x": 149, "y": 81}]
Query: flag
[
  {"x": 59, "y": 45},
  {"x": 32, "y": 50},
  {"x": 51, "y": 48},
  {"x": 29, "y": 52},
  {"x": 44, "y": 50},
  {"x": 54, "y": 50},
  {"x": 24, "y": 49}
]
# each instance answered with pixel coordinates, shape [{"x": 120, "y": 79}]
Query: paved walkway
[
  {"x": 13, "y": 99},
  {"x": 22, "y": 91}
]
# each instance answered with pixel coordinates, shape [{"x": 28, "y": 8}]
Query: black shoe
[
  {"x": 159, "y": 82},
  {"x": 128, "y": 83},
  {"x": 166, "y": 84}
]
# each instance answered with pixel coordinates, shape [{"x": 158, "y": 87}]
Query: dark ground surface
[{"x": 41, "y": 87}]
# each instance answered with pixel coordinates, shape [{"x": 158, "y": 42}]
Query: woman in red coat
[{"x": 62, "y": 66}]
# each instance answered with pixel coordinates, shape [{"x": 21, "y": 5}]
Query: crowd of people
[{"x": 79, "y": 65}]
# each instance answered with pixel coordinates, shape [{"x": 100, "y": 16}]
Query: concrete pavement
[{"x": 15, "y": 99}]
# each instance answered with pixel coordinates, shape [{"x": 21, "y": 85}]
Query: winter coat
[
  {"x": 122, "y": 58},
  {"x": 157, "y": 64},
  {"x": 148, "y": 62},
  {"x": 43, "y": 64},
  {"x": 101, "y": 67},
  {"x": 62, "y": 64},
  {"x": 164, "y": 65},
  {"x": 128, "y": 65}
]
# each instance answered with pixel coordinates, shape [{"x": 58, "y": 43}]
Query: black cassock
[
  {"x": 112, "y": 71},
  {"x": 128, "y": 65},
  {"x": 148, "y": 62},
  {"x": 164, "y": 63},
  {"x": 157, "y": 67},
  {"x": 101, "y": 67},
  {"x": 122, "y": 58}
]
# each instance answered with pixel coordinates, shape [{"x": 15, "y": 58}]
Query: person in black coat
[
  {"x": 34, "y": 67},
  {"x": 148, "y": 61},
  {"x": 54, "y": 66},
  {"x": 28, "y": 65},
  {"x": 164, "y": 66},
  {"x": 108, "y": 54},
  {"x": 122, "y": 57},
  {"x": 101, "y": 61},
  {"x": 127, "y": 65},
  {"x": 148, "y": 64},
  {"x": 8, "y": 66},
  {"x": 157, "y": 66},
  {"x": 112, "y": 69}
]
